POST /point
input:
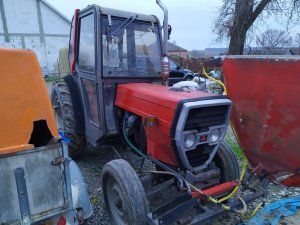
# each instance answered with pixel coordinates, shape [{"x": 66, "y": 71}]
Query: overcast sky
[{"x": 191, "y": 20}]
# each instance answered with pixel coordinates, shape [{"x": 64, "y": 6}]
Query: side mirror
[
  {"x": 169, "y": 31},
  {"x": 178, "y": 67}
]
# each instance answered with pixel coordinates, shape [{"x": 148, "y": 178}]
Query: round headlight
[
  {"x": 214, "y": 135},
  {"x": 189, "y": 140}
]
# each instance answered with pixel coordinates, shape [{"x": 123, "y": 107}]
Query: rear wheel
[
  {"x": 65, "y": 120},
  {"x": 227, "y": 162},
  {"x": 124, "y": 194}
]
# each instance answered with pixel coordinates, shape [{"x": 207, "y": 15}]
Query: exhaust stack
[{"x": 164, "y": 61}]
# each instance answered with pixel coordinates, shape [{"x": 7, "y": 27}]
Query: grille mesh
[
  {"x": 201, "y": 118},
  {"x": 200, "y": 155}
]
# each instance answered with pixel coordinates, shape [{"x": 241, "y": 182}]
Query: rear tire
[
  {"x": 64, "y": 115},
  {"x": 124, "y": 195},
  {"x": 226, "y": 161}
]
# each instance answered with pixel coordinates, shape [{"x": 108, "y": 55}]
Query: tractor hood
[
  {"x": 266, "y": 112},
  {"x": 150, "y": 100}
]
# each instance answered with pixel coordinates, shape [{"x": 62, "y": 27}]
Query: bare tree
[
  {"x": 236, "y": 17},
  {"x": 296, "y": 49},
  {"x": 273, "y": 39},
  {"x": 297, "y": 40}
]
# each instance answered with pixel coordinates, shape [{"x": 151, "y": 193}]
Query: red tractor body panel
[
  {"x": 266, "y": 111},
  {"x": 150, "y": 100}
]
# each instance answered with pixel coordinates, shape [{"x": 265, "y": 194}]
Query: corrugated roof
[{"x": 55, "y": 10}]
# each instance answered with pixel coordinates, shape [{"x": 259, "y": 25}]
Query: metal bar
[
  {"x": 170, "y": 205},
  {"x": 40, "y": 21},
  {"x": 177, "y": 211},
  {"x": 165, "y": 26},
  {"x": 216, "y": 190},
  {"x": 22, "y": 196},
  {"x": 35, "y": 35},
  {"x": 4, "y": 23},
  {"x": 30, "y": 151},
  {"x": 23, "y": 42},
  {"x": 67, "y": 175},
  {"x": 217, "y": 211}
]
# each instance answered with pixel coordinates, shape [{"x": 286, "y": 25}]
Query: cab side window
[{"x": 86, "y": 56}]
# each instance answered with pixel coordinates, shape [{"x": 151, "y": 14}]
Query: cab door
[{"x": 86, "y": 72}]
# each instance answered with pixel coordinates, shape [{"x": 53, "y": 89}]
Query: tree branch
[{"x": 259, "y": 8}]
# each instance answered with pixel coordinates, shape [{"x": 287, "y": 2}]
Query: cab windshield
[{"x": 130, "y": 48}]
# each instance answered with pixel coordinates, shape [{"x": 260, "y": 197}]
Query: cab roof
[{"x": 123, "y": 14}]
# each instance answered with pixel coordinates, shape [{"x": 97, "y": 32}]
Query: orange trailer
[{"x": 36, "y": 173}]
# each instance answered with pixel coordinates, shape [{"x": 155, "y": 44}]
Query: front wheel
[
  {"x": 124, "y": 194},
  {"x": 226, "y": 161}
]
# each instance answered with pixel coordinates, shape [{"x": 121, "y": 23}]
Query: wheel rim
[
  {"x": 58, "y": 114},
  {"x": 117, "y": 203},
  {"x": 188, "y": 78}
]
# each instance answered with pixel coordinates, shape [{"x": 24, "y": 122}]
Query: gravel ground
[
  {"x": 93, "y": 161},
  {"x": 91, "y": 165}
]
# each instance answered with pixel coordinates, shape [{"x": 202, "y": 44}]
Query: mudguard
[{"x": 80, "y": 194}]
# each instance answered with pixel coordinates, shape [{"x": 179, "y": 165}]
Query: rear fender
[{"x": 80, "y": 194}]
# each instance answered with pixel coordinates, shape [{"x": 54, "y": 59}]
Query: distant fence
[{"x": 196, "y": 65}]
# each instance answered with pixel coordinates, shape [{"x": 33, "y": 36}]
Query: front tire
[
  {"x": 226, "y": 161},
  {"x": 65, "y": 119},
  {"x": 124, "y": 195}
]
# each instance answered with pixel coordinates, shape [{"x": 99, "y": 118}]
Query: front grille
[
  {"x": 201, "y": 118},
  {"x": 200, "y": 155}
]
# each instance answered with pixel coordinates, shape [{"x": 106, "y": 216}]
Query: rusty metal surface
[
  {"x": 266, "y": 111},
  {"x": 45, "y": 183}
]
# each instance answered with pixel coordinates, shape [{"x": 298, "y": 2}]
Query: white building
[{"x": 34, "y": 25}]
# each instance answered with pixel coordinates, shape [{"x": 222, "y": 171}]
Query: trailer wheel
[
  {"x": 227, "y": 162},
  {"x": 64, "y": 115},
  {"x": 124, "y": 194}
]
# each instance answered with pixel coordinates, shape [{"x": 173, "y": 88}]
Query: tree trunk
[
  {"x": 244, "y": 16},
  {"x": 240, "y": 26},
  {"x": 237, "y": 41}
]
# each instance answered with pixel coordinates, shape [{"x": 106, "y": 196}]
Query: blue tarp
[{"x": 271, "y": 214}]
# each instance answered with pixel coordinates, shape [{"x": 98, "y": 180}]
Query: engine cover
[{"x": 150, "y": 100}]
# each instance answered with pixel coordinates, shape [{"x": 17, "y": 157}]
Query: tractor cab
[{"x": 110, "y": 47}]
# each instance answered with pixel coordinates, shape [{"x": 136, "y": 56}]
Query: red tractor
[{"x": 117, "y": 92}]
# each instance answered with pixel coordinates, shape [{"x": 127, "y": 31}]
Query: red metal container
[{"x": 266, "y": 112}]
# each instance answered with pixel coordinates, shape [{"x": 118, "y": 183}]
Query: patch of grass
[
  {"x": 52, "y": 78},
  {"x": 94, "y": 200},
  {"x": 235, "y": 147}
]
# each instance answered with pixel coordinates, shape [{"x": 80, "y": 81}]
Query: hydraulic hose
[
  {"x": 215, "y": 80},
  {"x": 245, "y": 161}
]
